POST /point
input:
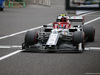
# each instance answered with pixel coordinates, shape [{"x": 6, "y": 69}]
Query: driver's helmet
[
  {"x": 62, "y": 15},
  {"x": 62, "y": 18}
]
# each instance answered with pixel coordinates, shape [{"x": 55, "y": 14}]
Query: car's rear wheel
[
  {"x": 31, "y": 38},
  {"x": 78, "y": 40},
  {"x": 89, "y": 32}
]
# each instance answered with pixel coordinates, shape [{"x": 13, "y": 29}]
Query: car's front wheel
[
  {"x": 89, "y": 32},
  {"x": 31, "y": 38},
  {"x": 78, "y": 40}
]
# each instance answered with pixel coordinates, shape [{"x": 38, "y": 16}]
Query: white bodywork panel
[
  {"x": 53, "y": 39},
  {"x": 80, "y": 46},
  {"x": 76, "y": 17},
  {"x": 54, "y": 36}
]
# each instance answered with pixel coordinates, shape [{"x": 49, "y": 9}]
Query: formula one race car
[{"x": 60, "y": 35}]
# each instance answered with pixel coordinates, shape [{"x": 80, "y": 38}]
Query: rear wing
[{"x": 76, "y": 19}]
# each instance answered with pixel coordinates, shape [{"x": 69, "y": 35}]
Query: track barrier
[{"x": 18, "y": 3}]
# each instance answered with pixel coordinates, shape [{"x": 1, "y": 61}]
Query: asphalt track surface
[{"x": 14, "y": 20}]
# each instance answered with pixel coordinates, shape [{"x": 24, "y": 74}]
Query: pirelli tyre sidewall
[
  {"x": 89, "y": 32},
  {"x": 31, "y": 38},
  {"x": 78, "y": 37}
]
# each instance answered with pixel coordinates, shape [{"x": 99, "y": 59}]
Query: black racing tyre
[
  {"x": 1, "y": 9},
  {"x": 31, "y": 38},
  {"x": 89, "y": 32},
  {"x": 78, "y": 37}
]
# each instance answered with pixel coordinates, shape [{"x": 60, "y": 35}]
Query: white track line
[
  {"x": 10, "y": 54},
  {"x": 88, "y": 13},
  {"x": 5, "y": 47},
  {"x": 12, "y": 46},
  {"x": 19, "y": 32},
  {"x": 93, "y": 48},
  {"x": 18, "y": 51},
  {"x": 92, "y": 20},
  {"x": 97, "y": 48}
]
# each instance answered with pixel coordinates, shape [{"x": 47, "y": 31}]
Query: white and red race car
[{"x": 60, "y": 35}]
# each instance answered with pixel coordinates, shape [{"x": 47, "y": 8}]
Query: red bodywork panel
[{"x": 61, "y": 25}]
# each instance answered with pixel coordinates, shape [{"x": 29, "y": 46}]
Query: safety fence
[
  {"x": 18, "y": 3},
  {"x": 23, "y": 3}
]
